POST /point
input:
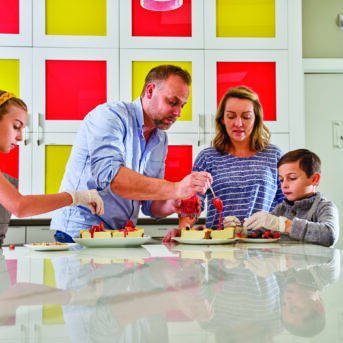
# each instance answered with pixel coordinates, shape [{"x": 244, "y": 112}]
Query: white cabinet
[{"x": 64, "y": 36}]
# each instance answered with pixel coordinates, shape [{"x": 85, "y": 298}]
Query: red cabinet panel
[
  {"x": 179, "y": 162},
  {"x": 259, "y": 76},
  {"x": 9, "y": 163},
  {"x": 174, "y": 23},
  {"x": 9, "y": 16},
  {"x": 73, "y": 88}
]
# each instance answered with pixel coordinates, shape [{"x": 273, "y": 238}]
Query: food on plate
[
  {"x": 200, "y": 232},
  {"x": 261, "y": 234},
  {"x": 98, "y": 231},
  {"x": 49, "y": 244},
  {"x": 226, "y": 233}
]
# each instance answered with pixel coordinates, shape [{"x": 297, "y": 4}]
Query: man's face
[
  {"x": 166, "y": 99},
  {"x": 295, "y": 184}
]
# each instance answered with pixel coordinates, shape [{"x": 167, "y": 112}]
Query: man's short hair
[
  {"x": 162, "y": 72},
  {"x": 309, "y": 162}
]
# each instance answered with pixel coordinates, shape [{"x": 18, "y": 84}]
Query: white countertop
[{"x": 172, "y": 293}]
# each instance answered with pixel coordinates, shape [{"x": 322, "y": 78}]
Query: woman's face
[
  {"x": 11, "y": 128},
  {"x": 239, "y": 119}
]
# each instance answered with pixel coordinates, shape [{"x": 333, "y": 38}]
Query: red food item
[
  {"x": 276, "y": 235},
  {"x": 129, "y": 224},
  {"x": 11, "y": 247},
  {"x": 254, "y": 235}
]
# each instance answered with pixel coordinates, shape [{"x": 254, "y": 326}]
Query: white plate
[
  {"x": 41, "y": 247},
  {"x": 111, "y": 242},
  {"x": 204, "y": 241},
  {"x": 258, "y": 240}
]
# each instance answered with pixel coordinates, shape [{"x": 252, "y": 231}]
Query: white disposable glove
[
  {"x": 231, "y": 221},
  {"x": 89, "y": 198},
  {"x": 265, "y": 220}
]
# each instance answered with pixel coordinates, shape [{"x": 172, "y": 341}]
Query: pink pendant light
[{"x": 161, "y": 5}]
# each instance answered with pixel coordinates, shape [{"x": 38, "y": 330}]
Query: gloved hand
[
  {"x": 231, "y": 221},
  {"x": 89, "y": 198},
  {"x": 265, "y": 220},
  {"x": 241, "y": 230}
]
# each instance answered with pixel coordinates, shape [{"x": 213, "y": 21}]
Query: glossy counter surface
[{"x": 175, "y": 293}]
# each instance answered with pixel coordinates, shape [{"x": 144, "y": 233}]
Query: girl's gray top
[
  {"x": 5, "y": 215},
  {"x": 315, "y": 220}
]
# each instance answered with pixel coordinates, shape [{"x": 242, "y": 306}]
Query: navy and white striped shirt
[{"x": 244, "y": 184}]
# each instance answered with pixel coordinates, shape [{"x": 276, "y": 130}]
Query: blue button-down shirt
[{"x": 110, "y": 136}]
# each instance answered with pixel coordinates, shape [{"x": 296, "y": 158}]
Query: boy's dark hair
[
  {"x": 162, "y": 72},
  {"x": 309, "y": 162}
]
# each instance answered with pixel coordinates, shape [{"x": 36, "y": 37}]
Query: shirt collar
[
  {"x": 159, "y": 134},
  {"x": 139, "y": 112}
]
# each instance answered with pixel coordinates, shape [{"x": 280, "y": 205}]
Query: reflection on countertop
[{"x": 167, "y": 293}]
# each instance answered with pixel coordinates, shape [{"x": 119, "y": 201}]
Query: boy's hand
[{"x": 265, "y": 220}]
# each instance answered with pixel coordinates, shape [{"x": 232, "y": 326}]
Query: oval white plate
[
  {"x": 204, "y": 241},
  {"x": 112, "y": 242},
  {"x": 258, "y": 240},
  {"x": 42, "y": 247}
]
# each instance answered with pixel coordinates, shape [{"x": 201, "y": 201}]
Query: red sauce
[{"x": 217, "y": 203}]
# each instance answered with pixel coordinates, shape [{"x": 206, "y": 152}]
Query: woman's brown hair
[
  {"x": 11, "y": 100},
  {"x": 260, "y": 136}
]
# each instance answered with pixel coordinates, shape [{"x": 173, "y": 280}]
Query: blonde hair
[
  {"x": 9, "y": 99},
  {"x": 260, "y": 136}
]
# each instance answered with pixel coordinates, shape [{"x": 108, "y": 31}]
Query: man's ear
[
  {"x": 149, "y": 90},
  {"x": 315, "y": 179}
]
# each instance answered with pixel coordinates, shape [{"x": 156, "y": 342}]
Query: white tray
[{"x": 112, "y": 242}]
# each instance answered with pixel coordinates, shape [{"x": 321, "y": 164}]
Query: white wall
[{"x": 323, "y": 105}]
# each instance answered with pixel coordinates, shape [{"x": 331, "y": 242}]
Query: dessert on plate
[
  {"x": 201, "y": 232},
  {"x": 98, "y": 231}
]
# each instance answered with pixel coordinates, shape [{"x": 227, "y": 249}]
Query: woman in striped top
[{"x": 242, "y": 162}]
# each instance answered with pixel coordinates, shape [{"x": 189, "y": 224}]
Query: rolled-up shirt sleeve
[{"x": 105, "y": 132}]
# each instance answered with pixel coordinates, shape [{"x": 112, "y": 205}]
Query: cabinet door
[
  {"x": 69, "y": 83},
  {"x": 266, "y": 72},
  {"x": 16, "y": 77},
  {"x": 246, "y": 24},
  {"x": 177, "y": 28},
  {"x": 50, "y": 155},
  {"x": 77, "y": 23},
  {"x": 16, "y": 23},
  {"x": 135, "y": 65}
]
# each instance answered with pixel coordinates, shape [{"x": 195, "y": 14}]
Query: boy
[{"x": 305, "y": 215}]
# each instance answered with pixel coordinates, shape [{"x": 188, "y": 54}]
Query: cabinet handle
[
  {"x": 27, "y": 130},
  {"x": 211, "y": 122},
  {"x": 40, "y": 129},
  {"x": 199, "y": 116}
]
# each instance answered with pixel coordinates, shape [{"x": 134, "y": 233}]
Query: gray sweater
[{"x": 315, "y": 220}]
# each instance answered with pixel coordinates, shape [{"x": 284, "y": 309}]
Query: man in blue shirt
[{"x": 121, "y": 149}]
